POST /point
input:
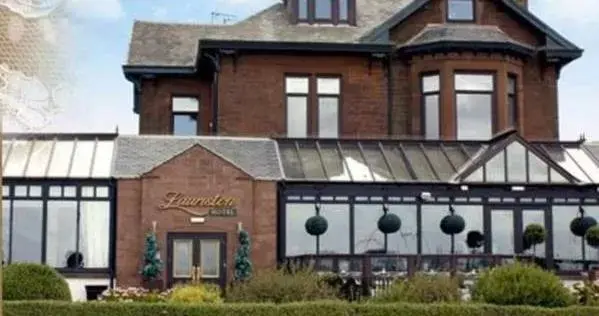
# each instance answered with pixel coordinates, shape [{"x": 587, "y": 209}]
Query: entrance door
[{"x": 196, "y": 257}]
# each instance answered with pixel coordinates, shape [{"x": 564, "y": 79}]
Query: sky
[{"x": 100, "y": 31}]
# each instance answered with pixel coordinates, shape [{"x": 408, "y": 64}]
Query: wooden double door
[{"x": 196, "y": 257}]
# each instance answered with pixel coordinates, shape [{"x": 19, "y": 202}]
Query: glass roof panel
[
  {"x": 495, "y": 168},
  {"x": 556, "y": 177},
  {"x": 291, "y": 162},
  {"x": 311, "y": 161},
  {"x": 61, "y": 159},
  {"x": 476, "y": 176},
  {"x": 15, "y": 166},
  {"x": 5, "y": 150},
  {"x": 439, "y": 161},
  {"x": 561, "y": 157},
  {"x": 103, "y": 159},
  {"x": 82, "y": 161},
  {"x": 538, "y": 171},
  {"x": 473, "y": 149},
  {"x": 418, "y": 162},
  {"x": 516, "y": 162},
  {"x": 456, "y": 155},
  {"x": 585, "y": 162},
  {"x": 40, "y": 157},
  {"x": 376, "y": 161},
  {"x": 397, "y": 163},
  {"x": 335, "y": 167},
  {"x": 355, "y": 162}
]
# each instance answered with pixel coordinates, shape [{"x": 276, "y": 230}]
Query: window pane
[
  {"x": 210, "y": 258},
  {"x": 355, "y": 162},
  {"x": 328, "y": 117},
  {"x": 5, "y": 190},
  {"x": 405, "y": 241},
  {"x": 343, "y": 10},
  {"x": 516, "y": 162},
  {"x": 333, "y": 163},
  {"x": 40, "y": 157},
  {"x": 418, "y": 162},
  {"x": 311, "y": 161},
  {"x": 473, "y": 215},
  {"x": 566, "y": 246},
  {"x": 474, "y": 116},
  {"x": 94, "y": 235},
  {"x": 534, "y": 217},
  {"x": 397, "y": 163},
  {"x": 324, "y": 9},
  {"x": 367, "y": 236},
  {"x": 473, "y": 82},
  {"x": 328, "y": 86},
  {"x": 297, "y": 117},
  {"x": 20, "y": 190},
  {"x": 182, "y": 258},
  {"x": 512, "y": 112},
  {"x": 431, "y": 115},
  {"x": 185, "y": 124},
  {"x": 495, "y": 168},
  {"x": 102, "y": 192},
  {"x": 82, "y": 161},
  {"x": 35, "y": 191},
  {"x": 439, "y": 161},
  {"x": 303, "y": 9},
  {"x": 430, "y": 83},
  {"x": 585, "y": 162},
  {"x": 591, "y": 253},
  {"x": 511, "y": 86},
  {"x": 376, "y": 162},
  {"x": 61, "y": 240},
  {"x": 297, "y": 240},
  {"x": 87, "y": 191},
  {"x": 15, "y": 166},
  {"x": 6, "y": 229},
  {"x": 502, "y": 232},
  {"x": 61, "y": 159},
  {"x": 537, "y": 169},
  {"x": 103, "y": 159},
  {"x": 27, "y": 231},
  {"x": 55, "y": 191},
  {"x": 5, "y": 150},
  {"x": 433, "y": 239},
  {"x": 461, "y": 10},
  {"x": 291, "y": 161},
  {"x": 336, "y": 239},
  {"x": 296, "y": 85},
  {"x": 186, "y": 104}
]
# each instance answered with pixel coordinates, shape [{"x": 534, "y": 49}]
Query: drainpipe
[
  {"x": 215, "y": 59},
  {"x": 389, "y": 94}
]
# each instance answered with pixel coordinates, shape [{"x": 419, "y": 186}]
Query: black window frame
[
  {"x": 460, "y": 20},
  {"x": 45, "y": 197},
  {"x": 175, "y": 114},
  {"x": 335, "y": 16},
  {"x": 513, "y": 118},
  {"x": 423, "y": 95},
  {"x": 491, "y": 93}
]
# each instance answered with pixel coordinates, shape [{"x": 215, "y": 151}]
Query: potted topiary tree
[
  {"x": 452, "y": 225},
  {"x": 243, "y": 265},
  {"x": 152, "y": 267},
  {"x": 534, "y": 234},
  {"x": 579, "y": 227},
  {"x": 388, "y": 223},
  {"x": 316, "y": 226}
]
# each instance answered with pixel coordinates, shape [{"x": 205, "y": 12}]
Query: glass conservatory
[{"x": 455, "y": 205}]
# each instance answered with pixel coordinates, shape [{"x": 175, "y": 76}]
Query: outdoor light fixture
[
  {"x": 518, "y": 188},
  {"x": 426, "y": 196}
]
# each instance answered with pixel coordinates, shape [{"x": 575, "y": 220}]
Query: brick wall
[{"x": 196, "y": 172}]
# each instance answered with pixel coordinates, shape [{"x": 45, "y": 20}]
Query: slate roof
[
  {"x": 168, "y": 44},
  {"x": 138, "y": 155},
  {"x": 176, "y": 45},
  {"x": 435, "y": 33}
]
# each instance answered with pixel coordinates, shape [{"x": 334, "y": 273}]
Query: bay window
[
  {"x": 474, "y": 105},
  {"x": 430, "y": 105}
]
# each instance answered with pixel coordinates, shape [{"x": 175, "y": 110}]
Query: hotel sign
[{"x": 201, "y": 206}]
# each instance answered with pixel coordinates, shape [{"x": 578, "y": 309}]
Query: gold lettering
[{"x": 185, "y": 203}]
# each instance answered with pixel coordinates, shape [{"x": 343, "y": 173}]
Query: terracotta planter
[{"x": 153, "y": 284}]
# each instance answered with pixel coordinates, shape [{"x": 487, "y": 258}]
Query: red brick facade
[
  {"x": 195, "y": 172},
  {"x": 251, "y": 96}
]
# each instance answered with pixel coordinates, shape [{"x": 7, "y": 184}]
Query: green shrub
[
  {"x": 196, "y": 293},
  {"x": 133, "y": 294},
  {"x": 422, "y": 288},
  {"x": 294, "y": 309},
  {"x": 521, "y": 284},
  {"x": 28, "y": 281},
  {"x": 587, "y": 293},
  {"x": 277, "y": 286}
]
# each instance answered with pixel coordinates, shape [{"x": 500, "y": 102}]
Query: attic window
[
  {"x": 325, "y": 11},
  {"x": 460, "y": 10}
]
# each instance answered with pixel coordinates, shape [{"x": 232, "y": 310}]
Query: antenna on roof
[
  {"x": 225, "y": 16},
  {"x": 582, "y": 138},
  {"x": 116, "y": 129}
]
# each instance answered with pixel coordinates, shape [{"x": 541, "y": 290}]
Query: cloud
[{"x": 97, "y": 9}]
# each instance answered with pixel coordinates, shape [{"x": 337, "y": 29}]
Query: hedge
[{"x": 38, "y": 308}]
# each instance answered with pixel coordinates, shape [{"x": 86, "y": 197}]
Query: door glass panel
[
  {"x": 502, "y": 232},
  {"x": 210, "y": 258},
  {"x": 182, "y": 258},
  {"x": 534, "y": 217}
]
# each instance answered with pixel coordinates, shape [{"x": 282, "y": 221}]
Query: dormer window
[
  {"x": 325, "y": 11},
  {"x": 460, "y": 10}
]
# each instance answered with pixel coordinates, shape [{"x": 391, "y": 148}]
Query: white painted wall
[{"x": 77, "y": 287}]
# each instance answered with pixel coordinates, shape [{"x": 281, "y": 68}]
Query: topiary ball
[
  {"x": 580, "y": 225},
  {"x": 30, "y": 282},
  {"x": 474, "y": 239},
  {"x": 389, "y": 223},
  {"x": 452, "y": 224},
  {"x": 592, "y": 236},
  {"x": 534, "y": 234},
  {"x": 316, "y": 225}
]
